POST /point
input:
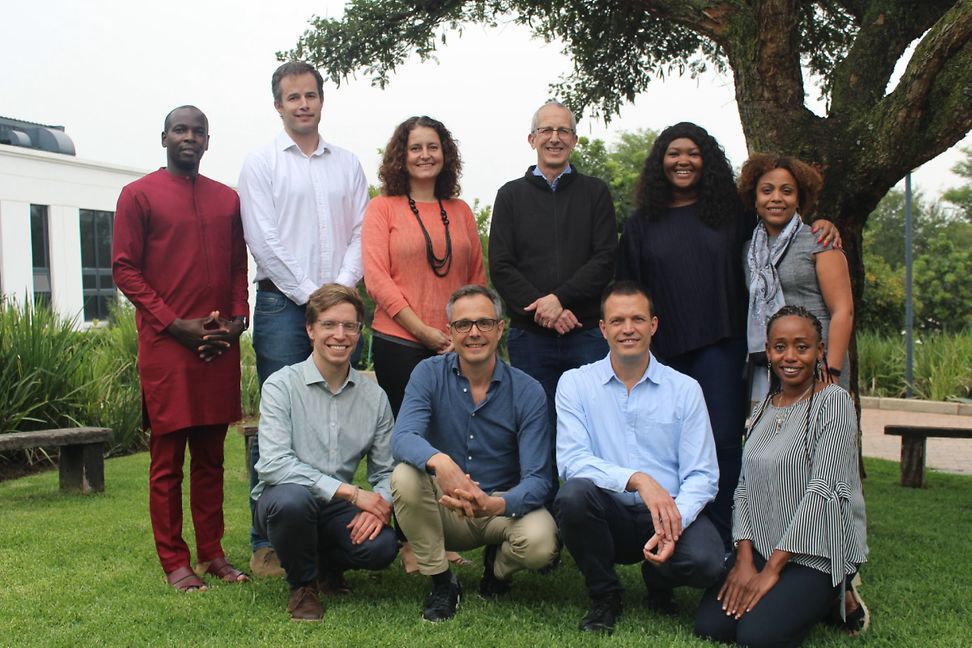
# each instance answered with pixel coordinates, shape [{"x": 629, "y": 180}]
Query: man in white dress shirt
[{"x": 302, "y": 201}]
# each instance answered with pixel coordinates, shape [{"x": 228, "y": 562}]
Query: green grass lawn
[{"x": 82, "y": 570}]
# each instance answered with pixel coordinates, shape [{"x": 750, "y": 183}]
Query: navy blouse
[{"x": 694, "y": 273}]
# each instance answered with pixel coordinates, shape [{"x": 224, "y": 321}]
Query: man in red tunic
[{"x": 179, "y": 256}]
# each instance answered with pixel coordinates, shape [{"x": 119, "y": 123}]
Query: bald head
[{"x": 167, "y": 124}]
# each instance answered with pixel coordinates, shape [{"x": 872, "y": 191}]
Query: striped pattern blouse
[{"x": 800, "y": 490}]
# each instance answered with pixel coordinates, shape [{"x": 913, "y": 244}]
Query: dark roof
[{"x": 44, "y": 137}]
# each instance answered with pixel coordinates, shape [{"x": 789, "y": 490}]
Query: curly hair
[
  {"x": 718, "y": 201},
  {"x": 808, "y": 179},
  {"x": 394, "y": 175}
]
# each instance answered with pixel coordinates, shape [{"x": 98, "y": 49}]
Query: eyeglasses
[
  {"x": 484, "y": 324},
  {"x": 547, "y": 131},
  {"x": 330, "y": 326}
]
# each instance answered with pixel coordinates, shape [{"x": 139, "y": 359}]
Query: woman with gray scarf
[{"x": 785, "y": 264}]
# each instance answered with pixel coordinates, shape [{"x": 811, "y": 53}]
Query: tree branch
[
  {"x": 886, "y": 30},
  {"x": 931, "y": 107}
]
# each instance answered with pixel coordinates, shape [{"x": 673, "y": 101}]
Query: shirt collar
[
  {"x": 313, "y": 376},
  {"x": 500, "y": 369},
  {"x": 605, "y": 372},
  {"x": 553, "y": 184},
  {"x": 285, "y": 142}
]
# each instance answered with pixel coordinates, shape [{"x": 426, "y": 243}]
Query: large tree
[{"x": 870, "y": 137}]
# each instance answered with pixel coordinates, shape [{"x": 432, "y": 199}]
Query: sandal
[
  {"x": 457, "y": 559},
  {"x": 221, "y": 569},
  {"x": 185, "y": 580}
]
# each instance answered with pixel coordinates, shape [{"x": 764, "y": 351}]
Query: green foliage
[
  {"x": 942, "y": 277},
  {"x": 249, "y": 381},
  {"x": 882, "y": 307},
  {"x": 619, "y": 165},
  {"x": 96, "y": 580},
  {"x": 961, "y": 197},
  {"x": 40, "y": 360},
  {"x": 111, "y": 386},
  {"x": 941, "y": 245},
  {"x": 942, "y": 365}
]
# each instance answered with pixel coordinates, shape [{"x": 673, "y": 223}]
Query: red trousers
[{"x": 168, "y": 452}]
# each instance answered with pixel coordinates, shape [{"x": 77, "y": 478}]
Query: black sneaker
[
  {"x": 442, "y": 603},
  {"x": 604, "y": 612},
  {"x": 659, "y": 600},
  {"x": 491, "y": 586}
]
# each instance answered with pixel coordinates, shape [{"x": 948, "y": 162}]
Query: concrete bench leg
[
  {"x": 82, "y": 468},
  {"x": 913, "y": 461}
]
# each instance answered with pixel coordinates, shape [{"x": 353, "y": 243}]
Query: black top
[
  {"x": 562, "y": 242},
  {"x": 694, "y": 273}
]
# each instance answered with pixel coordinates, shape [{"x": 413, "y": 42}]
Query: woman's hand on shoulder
[{"x": 827, "y": 233}]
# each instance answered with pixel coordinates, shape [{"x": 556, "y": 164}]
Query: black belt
[{"x": 266, "y": 284}]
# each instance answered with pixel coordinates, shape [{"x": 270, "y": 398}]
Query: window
[
  {"x": 40, "y": 249},
  {"x": 98, "y": 288}
]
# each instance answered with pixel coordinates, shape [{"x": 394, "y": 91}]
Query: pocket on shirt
[
  {"x": 269, "y": 303},
  {"x": 657, "y": 443}
]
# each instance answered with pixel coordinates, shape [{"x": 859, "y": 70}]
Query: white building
[{"x": 56, "y": 214}]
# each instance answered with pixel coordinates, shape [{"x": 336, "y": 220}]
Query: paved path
[{"x": 950, "y": 455}]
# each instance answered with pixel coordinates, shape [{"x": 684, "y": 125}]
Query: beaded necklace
[{"x": 440, "y": 266}]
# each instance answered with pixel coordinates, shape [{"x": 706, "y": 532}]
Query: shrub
[{"x": 40, "y": 359}]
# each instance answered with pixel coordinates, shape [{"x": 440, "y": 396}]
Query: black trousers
[
  {"x": 394, "y": 363},
  {"x": 306, "y": 531},
  {"x": 784, "y": 615},
  {"x": 601, "y": 531}
]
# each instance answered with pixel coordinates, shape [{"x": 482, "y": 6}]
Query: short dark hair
[
  {"x": 808, "y": 179},
  {"x": 332, "y": 294},
  {"x": 168, "y": 118},
  {"x": 626, "y": 287},
  {"x": 294, "y": 68},
  {"x": 470, "y": 290},
  {"x": 393, "y": 174}
]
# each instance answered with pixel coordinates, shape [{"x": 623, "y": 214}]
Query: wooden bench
[
  {"x": 913, "y": 442},
  {"x": 82, "y": 457}
]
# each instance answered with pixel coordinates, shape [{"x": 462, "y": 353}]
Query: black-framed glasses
[
  {"x": 330, "y": 326},
  {"x": 484, "y": 324},
  {"x": 547, "y": 131}
]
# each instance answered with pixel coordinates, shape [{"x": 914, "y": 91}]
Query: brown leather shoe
[
  {"x": 304, "y": 604},
  {"x": 265, "y": 564}
]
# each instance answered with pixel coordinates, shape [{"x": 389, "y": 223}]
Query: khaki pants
[{"x": 529, "y": 542}]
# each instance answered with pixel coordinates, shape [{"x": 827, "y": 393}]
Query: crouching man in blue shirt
[
  {"x": 635, "y": 446},
  {"x": 476, "y": 450}
]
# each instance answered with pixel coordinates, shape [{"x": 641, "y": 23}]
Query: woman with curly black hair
[
  {"x": 684, "y": 242},
  {"x": 419, "y": 243}
]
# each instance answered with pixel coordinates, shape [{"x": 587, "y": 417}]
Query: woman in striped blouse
[{"x": 798, "y": 520}]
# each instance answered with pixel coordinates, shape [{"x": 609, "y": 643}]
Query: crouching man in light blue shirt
[
  {"x": 635, "y": 446},
  {"x": 318, "y": 418}
]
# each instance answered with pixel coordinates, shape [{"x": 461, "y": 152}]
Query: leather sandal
[
  {"x": 184, "y": 579},
  {"x": 221, "y": 569}
]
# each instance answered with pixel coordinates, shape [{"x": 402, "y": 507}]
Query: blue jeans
[
  {"x": 546, "y": 357},
  {"x": 310, "y": 535},
  {"x": 279, "y": 339}
]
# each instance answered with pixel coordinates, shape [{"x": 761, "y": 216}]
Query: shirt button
[
  {"x": 474, "y": 414},
  {"x": 469, "y": 458},
  {"x": 470, "y": 436},
  {"x": 464, "y": 390}
]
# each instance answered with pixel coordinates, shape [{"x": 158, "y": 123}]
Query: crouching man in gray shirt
[{"x": 318, "y": 418}]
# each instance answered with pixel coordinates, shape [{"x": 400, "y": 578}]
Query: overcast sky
[{"x": 109, "y": 70}]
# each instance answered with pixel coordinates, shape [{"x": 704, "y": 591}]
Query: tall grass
[
  {"x": 40, "y": 360},
  {"x": 113, "y": 393},
  {"x": 942, "y": 365},
  {"x": 249, "y": 382}
]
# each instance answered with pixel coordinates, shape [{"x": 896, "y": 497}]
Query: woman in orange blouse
[{"x": 419, "y": 242}]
